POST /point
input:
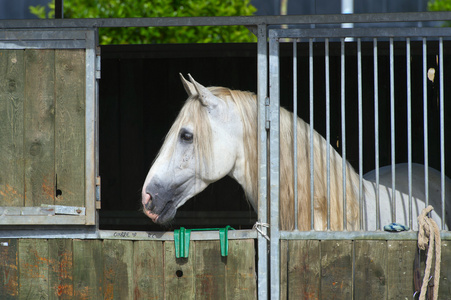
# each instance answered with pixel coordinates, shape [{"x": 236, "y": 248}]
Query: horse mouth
[
  {"x": 165, "y": 216},
  {"x": 152, "y": 216}
]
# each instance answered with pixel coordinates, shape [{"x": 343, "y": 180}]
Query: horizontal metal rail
[
  {"x": 92, "y": 233},
  {"x": 228, "y": 21},
  {"x": 362, "y": 32},
  {"x": 355, "y": 235}
]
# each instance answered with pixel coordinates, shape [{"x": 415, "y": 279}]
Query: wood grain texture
[
  {"x": 336, "y": 269},
  {"x": 88, "y": 269},
  {"x": 70, "y": 126},
  {"x": 179, "y": 276},
  {"x": 148, "y": 270},
  {"x": 118, "y": 269},
  {"x": 304, "y": 269},
  {"x": 9, "y": 265},
  {"x": 61, "y": 284},
  {"x": 124, "y": 269},
  {"x": 34, "y": 269},
  {"x": 209, "y": 269},
  {"x": 11, "y": 128},
  {"x": 400, "y": 260},
  {"x": 240, "y": 270},
  {"x": 370, "y": 269},
  {"x": 39, "y": 126},
  {"x": 284, "y": 269},
  {"x": 444, "y": 291}
]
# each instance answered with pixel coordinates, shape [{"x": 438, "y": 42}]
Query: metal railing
[{"x": 322, "y": 38}]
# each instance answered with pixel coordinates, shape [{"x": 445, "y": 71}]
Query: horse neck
[{"x": 247, "y": 164}]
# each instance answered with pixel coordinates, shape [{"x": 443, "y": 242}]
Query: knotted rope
[{"x": 429, "y": 237}]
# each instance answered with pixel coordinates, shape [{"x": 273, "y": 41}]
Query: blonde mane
[{"x": 247, "y": 106}]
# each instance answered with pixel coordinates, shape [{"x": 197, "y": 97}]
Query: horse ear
[
  {"x": 205, "y": 96},
  {"x": 189, "y": 87}
]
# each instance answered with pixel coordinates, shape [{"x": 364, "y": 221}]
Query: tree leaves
[{"x": 160, "y": 8}]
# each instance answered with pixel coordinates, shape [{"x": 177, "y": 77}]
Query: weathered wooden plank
[
  {"x": 118, "y": 269},
  {"x": 9, "y": 279},
  {"x": 370, "y": 269},
  {"x": 33, "y": 269},
  {"x": 444, "y": 291},
  {"x": 284, "y": 266},
  {"x": 179, "y": 277},
  {"x": 61, "y": 284},
  {"x": 88, "y": 269},
  {"x": 11, "y": 128},
  {"x": 70, "y": 127},
  {"x": 240, "y": 270},
  {"x": 336, "y": 269},
  {"x": 304, "y": 269},
  {"x": 400, "y": 259},
  {"x": 209, "y": 269},
  {"x": 148, "y": 270},
  {"x": 39, "y": 122}
]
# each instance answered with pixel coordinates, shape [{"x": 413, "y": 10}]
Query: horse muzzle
[
  {"x": 159, "y": 210},
  {"x": 147, "y": 207}
]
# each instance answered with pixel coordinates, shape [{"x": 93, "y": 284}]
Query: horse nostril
[{"x": 148, "y": 203}]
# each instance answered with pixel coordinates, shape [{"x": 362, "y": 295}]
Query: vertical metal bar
[
  {"x": 326, "y": 45},
  {"x": 343, "y": 132},
  {"x": 97, "y": 171},
  {"x": 360, "y": 125},
  {"x": 442, "y": 131},
  {"x": 262, "y": 73},
  {"x": 59, "y": 9},
  {"x": 274, "y": 156},
  {"x": 392, "y": 128},
  {"x": 90, "y": 127},
  {"x": 409, "y": 129},
  {"x": 295, "y": 132},
  {"x": 376, "y": 129},
  {"x": 425, "y": 123},
  {"x": 312, "y": 139}
]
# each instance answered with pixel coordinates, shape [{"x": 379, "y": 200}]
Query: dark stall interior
[
  {"x": 141, "y": 94},
  {"x": 140, "y": 97}
]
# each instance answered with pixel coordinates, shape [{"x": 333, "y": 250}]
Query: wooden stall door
[{"x": 42, "y": 132}]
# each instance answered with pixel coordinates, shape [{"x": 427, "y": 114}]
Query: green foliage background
[
  {"x": 440, "y": 5},
  {"x": 159, "y": 8}
]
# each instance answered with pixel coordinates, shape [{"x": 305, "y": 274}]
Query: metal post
[
  {"x": 442, "y": 131},
  {"x": 262, "y": 160},
  {"x": 409, "y": 129},
  {"x": 295, "y": 132},
  {"x": 392, "y": 128},
  {"x": 376, "y": 130},
  {"x": 312, "y": 139},
  {"x": 59, "y": 9},
  {"x": 360, "y": 117},
  {"x": 274, "y": 157},
  {"x": 326, "y": 54},
  {"x": 425, "y": 123},
  {"x": 343, "y": 132}
]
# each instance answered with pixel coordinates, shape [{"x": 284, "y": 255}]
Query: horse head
[{"x": 204, "y": 144}]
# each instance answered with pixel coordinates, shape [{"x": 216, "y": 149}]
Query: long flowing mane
[{"x": 247, "y": 106}]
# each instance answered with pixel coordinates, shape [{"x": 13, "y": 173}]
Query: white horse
[{"x": 215, "y": 134}]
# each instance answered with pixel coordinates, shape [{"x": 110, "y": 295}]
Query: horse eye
[{"x": 186, "y": 136}]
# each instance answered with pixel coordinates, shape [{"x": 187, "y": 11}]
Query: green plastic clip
[{"x": 182, "y": 237}]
